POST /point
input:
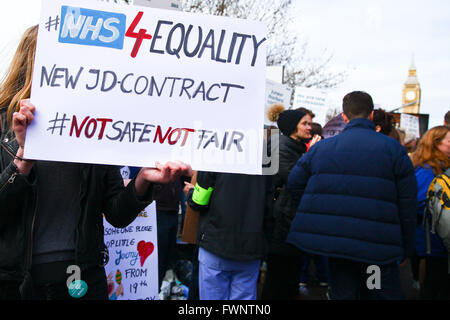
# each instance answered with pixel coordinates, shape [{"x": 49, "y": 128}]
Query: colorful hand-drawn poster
[{"x": 132, "y": 270}]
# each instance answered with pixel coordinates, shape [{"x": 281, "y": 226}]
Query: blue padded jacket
[{"x": 358, "y": 197}]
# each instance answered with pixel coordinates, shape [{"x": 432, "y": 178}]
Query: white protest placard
[
  {"x": 117, "y": 84},
  {"x": 162, "y": 4},
  {"x": 132, "y": 270},
  {"x": 314, "y": 100},
  {"x": 276, "y": 93},
  {"x": 275, "y": 73},
  {"x": 410, "y": 123}
]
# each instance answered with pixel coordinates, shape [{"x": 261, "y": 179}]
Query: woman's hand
[
  {"x": 21, "y": 121},
  {"x": 187, "y": 187},
  {"x": 161, "y": 174},
  {"x": 315, "y": 139}
]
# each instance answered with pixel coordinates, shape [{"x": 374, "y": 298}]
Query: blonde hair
[
  {"x": 427, "y": 151},
  {"x": 17, "y": 82}
]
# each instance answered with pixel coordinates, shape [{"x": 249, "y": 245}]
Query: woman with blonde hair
[
  {"x": 17, "y": 82},
  {"x": 51, "y": 212},
  {"x": 432, "y": 157}
]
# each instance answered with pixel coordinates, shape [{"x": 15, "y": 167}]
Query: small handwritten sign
[
  {"x": 276, "y": 93},
  {"x": 410, "y": 123},
  {"x": 314, "y": 100},
  {"x": 132, "y": 270}
]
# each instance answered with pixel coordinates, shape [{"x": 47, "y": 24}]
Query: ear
[
  {"x": 346, "y": 119},
  {"x": 371, "y": 117}
]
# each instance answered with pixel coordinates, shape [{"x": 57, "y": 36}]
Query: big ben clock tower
[{"x": 411, "y": 91}]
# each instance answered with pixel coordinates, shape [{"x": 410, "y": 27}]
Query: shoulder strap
[
  {"x": 444, "y": 181},
  {"x": 446, "y": 177}
]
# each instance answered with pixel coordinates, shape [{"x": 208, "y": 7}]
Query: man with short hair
[
  {"x": 357, "y": 206},
  {"x": 447, "y": 119}
]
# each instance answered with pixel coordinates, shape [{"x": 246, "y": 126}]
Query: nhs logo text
[{"x": 92, "y": 27}]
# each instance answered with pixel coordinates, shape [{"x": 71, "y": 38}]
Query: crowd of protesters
[{"x": 352, "y": 201}]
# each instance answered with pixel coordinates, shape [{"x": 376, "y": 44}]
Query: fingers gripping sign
[
  {"x": 21, "y": 119},
  {"x": 161, "y": 174}
]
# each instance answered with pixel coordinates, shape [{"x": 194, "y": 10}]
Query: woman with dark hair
[
  {"x": 51, "y": 212},
  {"x": 284, "y": 260},
  {"x": 431, "y": 158},
  {"x": 384, "y": 123}
]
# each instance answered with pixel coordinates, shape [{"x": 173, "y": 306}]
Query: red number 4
[{"x": 139, "y": 36}]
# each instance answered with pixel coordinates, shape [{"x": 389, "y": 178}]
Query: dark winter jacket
[
  {"x": 101, "y": 191},
  {"x": 167, "y": 196},
  {"x": 285, "y": 208},
  {"x": 358, "y": 197},
  {"x": 232, "y": 214}
]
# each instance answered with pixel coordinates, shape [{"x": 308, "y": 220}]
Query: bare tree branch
[{"x": 284, "y": 47}]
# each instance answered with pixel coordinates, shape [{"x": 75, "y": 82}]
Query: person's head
[
  {"x": 384, "y": 122},
  {"x": 433, "y": 149},
  {"x": 410, "y": 143},
  {"x": 447, "y": 119},
  {"x": 406, "y": 139},
  {"x": 17, "y": 82},
  {"x": 295, "y": 124},
  {"x": 394, "y": 134},
  {"x": 357, "y": 104},
  {"x": 307, "y": 111},
  {"x": 316, "y": 128}
]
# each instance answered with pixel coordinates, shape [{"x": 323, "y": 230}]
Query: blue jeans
[
  {"x": 225, "y": 279},
  {"x": 349, "y": 281}
]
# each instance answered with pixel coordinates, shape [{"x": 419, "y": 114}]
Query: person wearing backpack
[{"x": 430, "y": 159}]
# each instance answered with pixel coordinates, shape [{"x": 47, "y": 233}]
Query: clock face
[{"x": 410, "y": 95}]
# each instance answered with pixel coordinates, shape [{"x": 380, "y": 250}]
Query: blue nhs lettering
[{"x": 92, "y": 27}]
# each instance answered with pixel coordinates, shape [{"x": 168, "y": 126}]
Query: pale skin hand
[
  {"x": 160, "y": 174},
  {"x": 315, "y": 139},
  {"x": 20, "y": 122},
  {"x": 187, "y": 187}
]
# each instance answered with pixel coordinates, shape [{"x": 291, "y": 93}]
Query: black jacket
[
  {"x": 233, "y": 224},
  {"x": 168, "y": 196},
  {"x": 285, "y": 208},
  {"x": 101, "y": 191}
]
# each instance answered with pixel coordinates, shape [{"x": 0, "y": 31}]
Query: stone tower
[{"x": 411, "y": 91}]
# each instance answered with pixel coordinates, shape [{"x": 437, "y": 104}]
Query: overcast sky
[{"x": 373, "y": 40}]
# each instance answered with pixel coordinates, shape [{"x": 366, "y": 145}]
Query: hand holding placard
[
  {"x": 21, "y": 121},
  {"x": 161, "y": 174}
]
